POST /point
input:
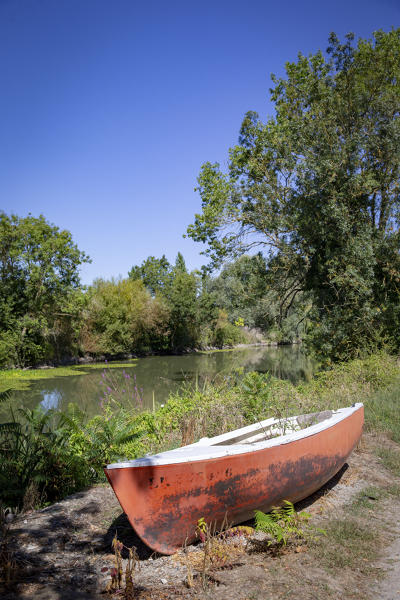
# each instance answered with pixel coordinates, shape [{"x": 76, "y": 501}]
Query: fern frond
[
  {"x": 11, "y": 427},
  {"x": 6, "y": 395}
]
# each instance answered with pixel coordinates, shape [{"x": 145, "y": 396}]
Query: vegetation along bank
[{"x": 47, "y": 455}]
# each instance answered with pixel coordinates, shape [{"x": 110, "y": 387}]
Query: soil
[{"x": 65, "y": 551}]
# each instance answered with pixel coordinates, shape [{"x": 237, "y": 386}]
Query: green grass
[
  {"x": 383, "y": 410},
  {"x": 21, "y": 379},
  {"x": 368, "y": 498},
  {"x": 390, "y": 459},
  {"x": 348, "y": 544}
]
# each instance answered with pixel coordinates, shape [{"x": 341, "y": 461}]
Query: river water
[{"x": 152, "y": 378}]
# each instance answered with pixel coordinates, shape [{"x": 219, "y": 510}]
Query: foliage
[
  {"x": 248, "y": 291},
  {"x": 284, "y": 525},
  {"x": 317, "y": 185},
  {"x": 46, "y": 316},
  {"x": 34, "y": 452},
  {"x": 39, "y": 293},
  {"x": 121, "y": 317},
  {"x": 191, "y": 311},
  {"x": 382, "y": 411}
]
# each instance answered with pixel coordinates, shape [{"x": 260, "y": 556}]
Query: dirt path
[
  {"x": 64, "y": 551},
  {"x": 389, "y": 587}
]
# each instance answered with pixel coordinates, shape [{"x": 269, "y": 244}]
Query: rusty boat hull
[{"x": 230, "y": 476}]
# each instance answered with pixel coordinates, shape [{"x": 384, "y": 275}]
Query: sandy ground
[{"x": 64, "y": 551}]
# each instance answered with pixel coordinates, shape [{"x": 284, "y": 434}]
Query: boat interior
[
  {"x": 266, "y": 430},
  {"x": 258, "y": 436}
]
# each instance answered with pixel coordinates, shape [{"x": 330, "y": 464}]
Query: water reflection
[
  {"x": 157, "y": 376},
  {"x": 50, "y": 399}
]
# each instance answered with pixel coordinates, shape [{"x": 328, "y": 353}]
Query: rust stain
[{"x": 236, "y": 485}]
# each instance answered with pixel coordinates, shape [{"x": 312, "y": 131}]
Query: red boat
[{"x": 231, "y": 475}]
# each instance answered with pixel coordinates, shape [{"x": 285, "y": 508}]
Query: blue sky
[{"x": 109, "y": 108}]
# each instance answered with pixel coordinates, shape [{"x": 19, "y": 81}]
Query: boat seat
[{"x": 313, "y": 418}]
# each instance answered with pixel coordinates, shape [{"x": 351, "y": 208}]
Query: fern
[
  {"x": 6, "y": 395},
  {"x": 283, "y": 524}
]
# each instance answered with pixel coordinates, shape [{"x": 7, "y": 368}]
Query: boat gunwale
[{"x": 179, "y": 456}]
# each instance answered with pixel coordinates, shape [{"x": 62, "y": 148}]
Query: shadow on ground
[{"x": 61, "y": 551}]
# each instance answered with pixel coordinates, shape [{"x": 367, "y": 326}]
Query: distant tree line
[{"x": 47, "y": 316}]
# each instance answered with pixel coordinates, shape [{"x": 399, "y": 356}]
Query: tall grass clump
[{"x": 383, "y": 411}]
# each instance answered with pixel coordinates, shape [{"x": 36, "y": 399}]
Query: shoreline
[{"x": 17, "y": 379}]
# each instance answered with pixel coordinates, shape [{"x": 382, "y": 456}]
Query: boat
[{"x": 227, "y": 477}]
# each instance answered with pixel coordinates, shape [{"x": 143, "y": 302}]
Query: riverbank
[
  {"x": 65, "y": 551},
  {"x": 66, "y": 450},
  {"x": 67, "y": 544}
]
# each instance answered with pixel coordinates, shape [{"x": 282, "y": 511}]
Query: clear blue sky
[{"x": 108, "y": 108}]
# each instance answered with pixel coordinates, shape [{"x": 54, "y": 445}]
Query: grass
[
  {"x": 349, "y": 543},
  {"x": 22, "y": 379},
  {"x": 383, "y": 410},
  {"x": 367, "y": 499},
  {"x": 390, "y": 459}
]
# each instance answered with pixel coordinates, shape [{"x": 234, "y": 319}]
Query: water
[{"x": 156, "y": 376}]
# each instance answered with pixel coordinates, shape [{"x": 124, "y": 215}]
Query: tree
[
  {"x": 188, "y": 310},
  {"x": 39, "y": 275},
  {"x": 154, "y": 273},
  {"x": 318, "y": 186},
  {"x": 121, "y": 317}
]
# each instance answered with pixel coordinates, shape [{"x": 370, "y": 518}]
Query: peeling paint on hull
[{"x": 164, "y": 502}]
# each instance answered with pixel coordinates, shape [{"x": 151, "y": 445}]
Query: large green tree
[
  {"x": 40, "y": 298},
  {"x": 317, "y": 186}
]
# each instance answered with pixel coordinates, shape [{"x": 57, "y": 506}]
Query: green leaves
[
  {"x": 284, "y": 525},
  {"x": 318, "y": 186},
  {"x": 39, "y": 276}
]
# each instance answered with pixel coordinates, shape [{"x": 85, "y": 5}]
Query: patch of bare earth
[{"x": 64, "y": 551}]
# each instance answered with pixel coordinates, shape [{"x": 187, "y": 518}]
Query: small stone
[{"x": 164, "y": 581}]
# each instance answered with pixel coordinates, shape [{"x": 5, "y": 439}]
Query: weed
[
  {"x": 382, "y": 410},
  {"x": 220, "y": 549},
  {"x": 123, "y": 582},
  {"x": 8, "y": 563}
]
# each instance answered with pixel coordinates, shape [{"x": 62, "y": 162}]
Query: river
[{"x": 151, "y": 379}]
